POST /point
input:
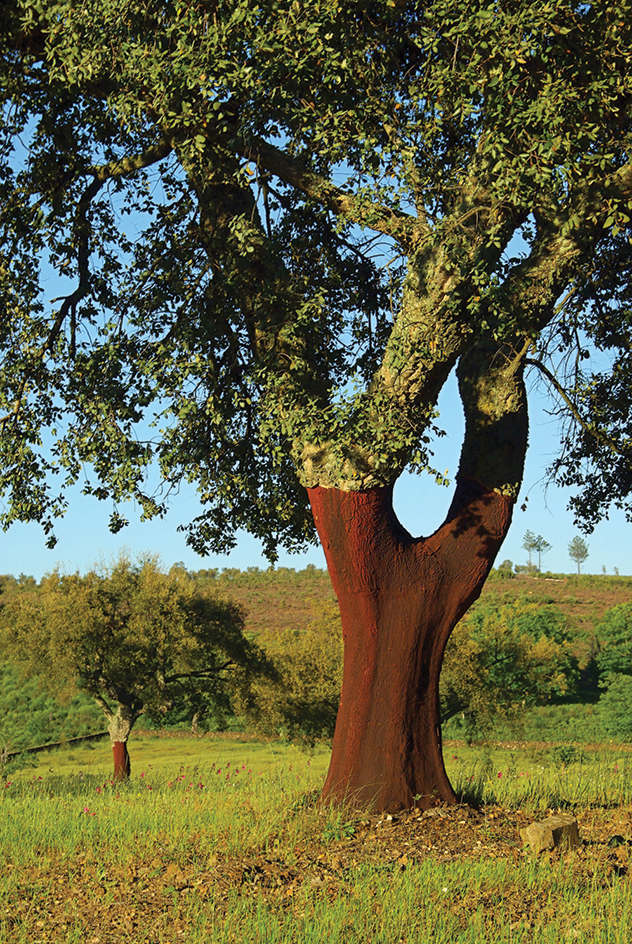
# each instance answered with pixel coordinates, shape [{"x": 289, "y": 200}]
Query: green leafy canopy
[{"x": 279, "y": 226}]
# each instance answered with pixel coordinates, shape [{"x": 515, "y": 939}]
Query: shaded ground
[{"x": 137, "y": 901}]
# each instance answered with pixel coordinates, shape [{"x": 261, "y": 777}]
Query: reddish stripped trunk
[
  {"x": 399, "y": 600},
  {"x": 122, "y": 765}
]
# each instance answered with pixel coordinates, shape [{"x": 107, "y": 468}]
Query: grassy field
[{"x": 222, "y": 840}]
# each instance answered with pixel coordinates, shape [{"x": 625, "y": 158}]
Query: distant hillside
[
  {"x": 284, "y": 598},
  {"x": 275, "y": 600},
  {"x": 584, "y": 598}
]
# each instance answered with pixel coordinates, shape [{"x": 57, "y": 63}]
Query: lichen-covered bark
[{"x": 119, "y": 729}]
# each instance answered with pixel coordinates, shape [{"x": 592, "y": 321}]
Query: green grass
[
  {"x": 533, "y": 779},
  {"x": 179, "y": 785},
  {"x": 166, "y": 754},
  {"x": 473, "y": 906},
  {"x": 67, "y": 832}
]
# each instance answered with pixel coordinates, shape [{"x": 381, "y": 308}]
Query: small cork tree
[{"x": 137, "y": 639}]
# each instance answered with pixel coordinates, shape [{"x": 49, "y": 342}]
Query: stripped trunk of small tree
[
  {"x": 399, "y": 599},
  {"x": 119, "y": 728},
  {"x": 122, "y": 765}
]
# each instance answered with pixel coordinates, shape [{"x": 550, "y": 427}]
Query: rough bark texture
[
  {"x": 399, "y": 599},
  {"x": 122, "y": 765}
]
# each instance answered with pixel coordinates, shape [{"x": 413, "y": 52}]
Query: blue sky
[{"x": 84, "y": 539}]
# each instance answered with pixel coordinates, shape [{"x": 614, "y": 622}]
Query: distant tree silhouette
[{"x": 578, "y": 551}]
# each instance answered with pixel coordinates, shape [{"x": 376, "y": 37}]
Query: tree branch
[
  {"x": 124, "y": 167},
  {"x": 605, "y": 440},
  {"x": 622, "y": 179},
  {"x": 400, "y": 226},
  {"x": 203, "y": 673},
  {"x": 100, "y": 700}
]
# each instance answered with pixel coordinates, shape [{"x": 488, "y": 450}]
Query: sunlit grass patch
[
  {"x": 169, "y": 754},
  {"x": 561, "y": 779},
  {"x": 227, "y": 801},
  {"x": 229, "y": 846}
]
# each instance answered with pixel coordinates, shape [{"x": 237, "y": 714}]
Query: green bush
[
  {"x": 614, "y": 635},
  {"x": 501, "y": 660},
  {"x": 615, "y": 707},
  {"x": 301, "y": 702}
]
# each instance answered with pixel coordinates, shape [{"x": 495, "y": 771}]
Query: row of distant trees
[{"x": 536, "y": 544}]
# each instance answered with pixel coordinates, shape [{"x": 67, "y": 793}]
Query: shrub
[
  {"x": 615, "y": 707},
  {"x": 302, "y": 701}
]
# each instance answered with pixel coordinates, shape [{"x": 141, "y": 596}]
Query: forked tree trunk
[{"x": 399, "y": 599}]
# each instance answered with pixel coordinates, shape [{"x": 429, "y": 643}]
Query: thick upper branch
[
  {"x": 496, "y": 425},
  {"x": 565, "y": 238},
  {"x": 126, "y": 166},
  {"x": 400, "y": 226}
]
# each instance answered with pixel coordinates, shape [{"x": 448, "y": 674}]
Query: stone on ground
[{"x": 559, "y": 830}]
